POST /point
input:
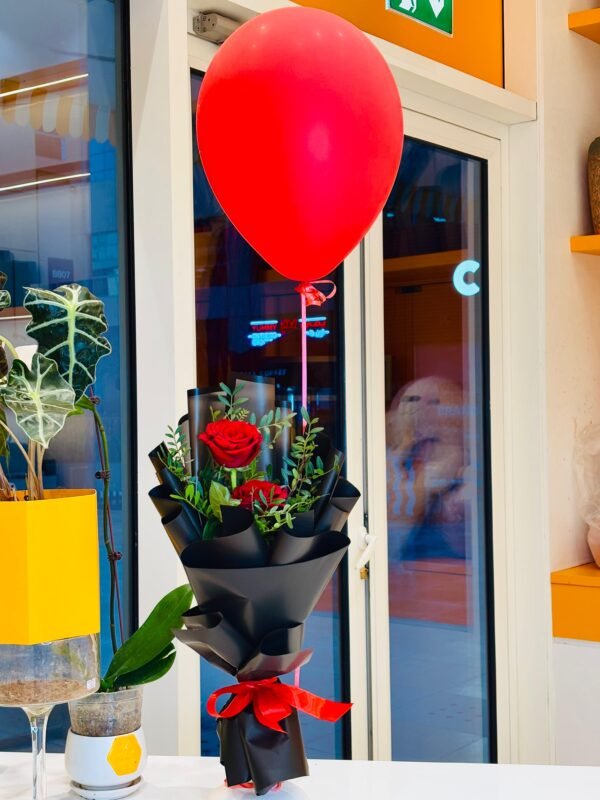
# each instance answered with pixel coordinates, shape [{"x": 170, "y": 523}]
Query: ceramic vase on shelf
[
  {"x": 593, "y": 540},
  {"x": 594, "y": 183},
  {"x": 106, "y": 749}
]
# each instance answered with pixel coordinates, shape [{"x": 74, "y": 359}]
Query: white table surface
[{"x": 179, "y": 778}]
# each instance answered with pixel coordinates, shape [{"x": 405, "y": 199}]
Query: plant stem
[
  {"x": 9, "y": 346},
  {"x": 19, "y": 445},
  {"x": 233, "y": 474},
  {"x": 109, "y": 541},
  {"x": 7, "y": 490}
]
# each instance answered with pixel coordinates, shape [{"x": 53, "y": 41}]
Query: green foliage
[
  {"x": 39, "y": 397},
  {"x": 220, "y": 495},
  {"x": 177, "y": 453},
  {"x": 4, "y": 303},
  {"x": 4, "y": 293},
  {"x": 212, "y": 488},
  {"x": 273, "y": 424},
  {"x": 68, "y": 324},
  {"x": 149, "y": 654},
  {"x": 233, "y": 402},
  {"x": 149, "y": 672}
]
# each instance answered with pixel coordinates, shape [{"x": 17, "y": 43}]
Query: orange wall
[{"x": 476, "y": 46}]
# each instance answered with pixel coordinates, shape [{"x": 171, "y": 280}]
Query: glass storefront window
[
  {"x": 61, "y": 211},
  {"x": 439, "y": 533},
  {"x": 247, "y": 321}
]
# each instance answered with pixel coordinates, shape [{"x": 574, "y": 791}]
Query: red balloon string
[{"x": 309, "y": 296}]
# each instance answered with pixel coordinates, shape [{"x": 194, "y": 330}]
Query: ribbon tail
[{"x": 317, "y": 707}]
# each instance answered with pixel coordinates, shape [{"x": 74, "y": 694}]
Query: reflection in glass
[
  {"x": 60, "y": 205},
  {"x": 247, "y": 322},
  {"x": 438, "y": 534}
]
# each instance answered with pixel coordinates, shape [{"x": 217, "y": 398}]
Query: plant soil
[{"x": 29, "y": 693}]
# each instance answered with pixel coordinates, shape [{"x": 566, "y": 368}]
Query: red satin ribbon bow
[
  {"x": 273, "y": 701},
  {"x": 314, "y": 296}
]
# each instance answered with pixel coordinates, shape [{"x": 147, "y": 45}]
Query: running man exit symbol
[{"x": 435, "y": 13}]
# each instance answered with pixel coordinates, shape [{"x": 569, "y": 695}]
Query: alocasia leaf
[
  {"x": 68, "y": 324},
  {"x": 4, "y": 303},
  {"x": 4, "y": 294},
  {"x": 39, "y": 397}
]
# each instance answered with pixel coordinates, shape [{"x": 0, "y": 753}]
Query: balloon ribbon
[
  {"x": 310, "y": 296},
  {"x": 273, "y": 701}
]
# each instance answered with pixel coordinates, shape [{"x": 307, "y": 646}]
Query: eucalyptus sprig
[
  {"x": 233, "y": 402},
  {"x": 273, "y": 424},
  {"x": 299, "y": 470},
  {"x": 178, "y": 452}
]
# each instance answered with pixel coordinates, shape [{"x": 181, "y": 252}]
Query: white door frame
[
  {"x": 441, "y": 133},
  {"x": 162, "y": 52}
]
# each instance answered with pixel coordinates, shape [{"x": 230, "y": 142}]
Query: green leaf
[
  {"x": 218, "y": 496},
  {"x": 211, "y": 528},
  {"x": 3, "y": 362},
  {"x": 151, "y": 639},
  {"x": 5, "y": 300},
  {"x": 304, "y": 414},
  {"x": 150, "y": 672},
  {"x": 68, "y": 324},
  {"x": 40, "y": 399}
]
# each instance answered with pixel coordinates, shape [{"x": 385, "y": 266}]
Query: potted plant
[
  {"x": 49, "y": 571},
  {"x": 68, "y": 325},
  {"x": 106, "y": 750}
]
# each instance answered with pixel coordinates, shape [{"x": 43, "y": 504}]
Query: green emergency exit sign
[{"x": 435, "y": 13}]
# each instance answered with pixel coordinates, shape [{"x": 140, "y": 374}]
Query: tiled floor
[{"x": 437, "y": 706}]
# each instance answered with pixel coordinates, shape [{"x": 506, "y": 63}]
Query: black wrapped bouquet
[{"x": 255, "y": 511}]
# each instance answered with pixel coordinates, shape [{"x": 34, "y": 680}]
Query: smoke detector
[{"x": 214, "y": 27}]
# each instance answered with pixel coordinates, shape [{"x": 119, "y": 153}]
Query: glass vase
[{"x": 37, "y": 677}]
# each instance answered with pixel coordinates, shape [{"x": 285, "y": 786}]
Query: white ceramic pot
[
  {"x": 107, "y": 767},
  {"x": 106, "y": 749}
]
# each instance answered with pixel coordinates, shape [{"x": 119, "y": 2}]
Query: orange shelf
[
  {"x": 586, "y": 244},
  {"x": 586, "y": 23},
  {"x": 576, "y": 603}
]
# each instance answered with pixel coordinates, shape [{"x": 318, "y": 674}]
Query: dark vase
[{"x": 594, "y": 182}]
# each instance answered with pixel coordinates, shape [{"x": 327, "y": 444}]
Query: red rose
[
  {"x": 233, "y": 444},
  {"x": 249, "y": 493}
]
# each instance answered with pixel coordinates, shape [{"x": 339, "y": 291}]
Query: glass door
[
  {"x": 426, "y": 358},
  {"x": 435, "y": 398}
]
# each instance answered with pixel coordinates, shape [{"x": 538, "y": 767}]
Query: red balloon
[{"x": 300, "y": 130}]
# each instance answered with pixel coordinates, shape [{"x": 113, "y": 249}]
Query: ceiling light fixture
[
  {"x": 44, "y": 85},
  {"x": 43, "y": 181}
]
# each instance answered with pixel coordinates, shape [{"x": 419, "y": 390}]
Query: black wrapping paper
[
  {"x": 254, "y": 595},
  {"x": 251, "y": 752}
]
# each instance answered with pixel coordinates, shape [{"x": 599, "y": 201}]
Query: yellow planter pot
[{"x": 49, "y": 568}]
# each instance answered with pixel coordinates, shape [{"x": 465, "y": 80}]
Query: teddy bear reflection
[{"x": 430, "y": 481}]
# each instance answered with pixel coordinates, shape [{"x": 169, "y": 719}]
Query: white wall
[
  {"x": 569, "y": 94},
  {"x": 569, "y": 105}
]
